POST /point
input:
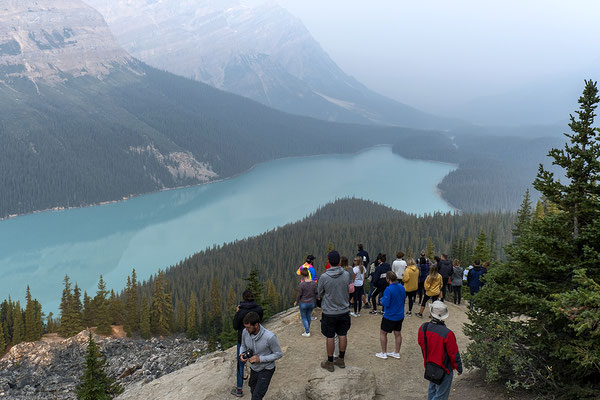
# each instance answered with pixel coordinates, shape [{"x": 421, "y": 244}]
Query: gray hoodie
[
  {"x": 334, "y": 291},
  {"x": 265, "y": 345}
]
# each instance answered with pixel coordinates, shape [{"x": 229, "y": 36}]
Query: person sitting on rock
[
  {"x": 333, "y": 289},
  {"x": 265, "y": 351},
  {"x": 393, "y": 316}
]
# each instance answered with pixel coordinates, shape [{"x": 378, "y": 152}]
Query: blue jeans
[
  {"x": 240, "y": 369},
  {"x": 306, "y": 314},
  {"x": 441, "y": 391}
]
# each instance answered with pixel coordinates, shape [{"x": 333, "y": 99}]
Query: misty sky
[{"x": 433, "y": 53}]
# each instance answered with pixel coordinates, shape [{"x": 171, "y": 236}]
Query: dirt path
[{"x": 401, "y": 378}]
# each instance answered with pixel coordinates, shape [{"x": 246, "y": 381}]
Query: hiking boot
[
  {"x": 340, "y": 363},
  {"x": 237, "y": 392},
  {"x": 328, "y": 365}
]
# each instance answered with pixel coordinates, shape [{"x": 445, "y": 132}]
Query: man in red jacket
[{"x": 441, "y": 350}]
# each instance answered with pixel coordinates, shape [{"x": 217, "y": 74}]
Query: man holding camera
[{"x": 260, "y": 348}]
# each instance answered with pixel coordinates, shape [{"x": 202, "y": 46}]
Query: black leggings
[
  {"x": 358, "y": 294},
  {"x": 426, "y": 299},
  {"x": 421, "y": 291},
  {"x": 378, "y": 291},
  {"x": 457, "y": 290},
  {"x": 412, "y": 296}
]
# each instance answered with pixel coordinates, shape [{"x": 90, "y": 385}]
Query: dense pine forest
[
  {"x": 493, "y": 171},
  {"x": 198, "y": 296}
]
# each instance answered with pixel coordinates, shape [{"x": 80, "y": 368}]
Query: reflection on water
[{"x": 157, "y": 230}]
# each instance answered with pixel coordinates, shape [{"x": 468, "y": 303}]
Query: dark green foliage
[
  {"x": 145, "y": 319},
  {"x": 537, "y": 324},
  {"x": 89, "y": 311},
  {"x": 33, "y": 318},
  {"x": 132, "y": 310},
  {"x": 115, "y": 309},
  {"x": 161, "y": 312},
  {"x": 18, "y": 334},
  {"x": 95, "y": 384},
  {"x": 51, "y": 323},
  {"x": 102, "y": 310},
  {"x": 180, "y": 315},
  {"x": 70, "y": 311},
  {"x": 2, "y": 340},
  {"x": 192, "y": 318}
]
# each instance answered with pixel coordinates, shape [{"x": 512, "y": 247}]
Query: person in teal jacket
[{"x": 393, "y": 317}]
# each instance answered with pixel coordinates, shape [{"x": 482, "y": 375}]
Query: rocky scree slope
[{"x": 51, "y": 368}]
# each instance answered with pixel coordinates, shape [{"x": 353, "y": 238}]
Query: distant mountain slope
[
  {"x": 263, "y": 53},
  {"x": 80, "y": 127}
]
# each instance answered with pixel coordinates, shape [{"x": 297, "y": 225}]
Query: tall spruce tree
[
  {"x": 18, "y": 333},
  {"x": 145, "y": 319},
  {"x": 132, "y": 312},
  {"x": 115, "y": 309},
  {"x": 537, "y": 321},
  {"x": 192, "y": 318},
  {"x": 523, "y": 216},
  {"x": 89, "y": 312},
  {"x": 2, "y": 340},
  {"x": 161, "y": 312},
  {"x": 95, "y": 383},
  {"x": 31, "y": 331},
  {"x": 102, "y": 311}
]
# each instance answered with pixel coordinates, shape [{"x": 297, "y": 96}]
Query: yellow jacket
[
  {"x": 433, "y": 286},
  {"x": 411, "y": 278}
]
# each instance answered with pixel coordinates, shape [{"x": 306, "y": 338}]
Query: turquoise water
[{"x": 157, "y": 230}]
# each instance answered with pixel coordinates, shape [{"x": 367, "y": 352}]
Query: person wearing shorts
[
  {"x": 393, "y": 317},
  {"x": 333, "y": 290}
]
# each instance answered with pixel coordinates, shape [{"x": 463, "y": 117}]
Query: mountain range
[
  {"x": 261, "y": 52},
  {"x": 84, "y": 122}
]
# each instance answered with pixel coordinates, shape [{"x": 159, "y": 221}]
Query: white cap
[{"x": 438, "y": 310}]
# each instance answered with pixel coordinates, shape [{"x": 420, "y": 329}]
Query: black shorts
[
  {"x": 332, "y": 324},
  {"x": 389, "y": 325}
]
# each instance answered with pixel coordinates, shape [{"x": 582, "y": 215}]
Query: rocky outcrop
[
  {"x": 52, "y": 40},
  {"x": 349, "y": 383},
  {"x": 50, "y": 369}
]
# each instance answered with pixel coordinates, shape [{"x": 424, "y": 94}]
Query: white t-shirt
[
  {"x": 359, "y": 278},
  {"x": 399, "y": 266}
]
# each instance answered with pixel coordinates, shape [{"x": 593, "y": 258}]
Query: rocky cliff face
[
  {"x": 51, "y": 40},
  {"x": 262, "y": 52}
]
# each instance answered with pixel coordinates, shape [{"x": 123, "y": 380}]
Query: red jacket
[{"x": 441, "y": 347}]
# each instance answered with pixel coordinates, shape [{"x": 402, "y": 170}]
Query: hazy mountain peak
[{"x": 53, "y": 40}]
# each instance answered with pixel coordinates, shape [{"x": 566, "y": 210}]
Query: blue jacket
[
  {"x": 393, "y": 302},
  {"x": 423, "y": 272},
  {"x": 474, "y": 278}
]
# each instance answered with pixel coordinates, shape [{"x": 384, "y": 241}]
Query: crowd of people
[{"x": 340, "y": 293}]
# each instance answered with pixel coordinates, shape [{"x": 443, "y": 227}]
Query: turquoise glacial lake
[{"x": 159, "y": 229}]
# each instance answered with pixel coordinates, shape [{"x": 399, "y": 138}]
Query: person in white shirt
[
  {"x": 359, "y": 280},
  {"x": 399, "y": 265}
]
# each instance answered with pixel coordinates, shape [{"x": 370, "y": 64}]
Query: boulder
[{"x": 350, "y": 383}]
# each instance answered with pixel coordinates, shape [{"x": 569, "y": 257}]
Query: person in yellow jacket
[
  {"x": 433, "y": 287},
  {"x": 411, "y": 283}
]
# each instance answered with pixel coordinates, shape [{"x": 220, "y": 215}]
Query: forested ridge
[
  {"x": 199, "y": 294},
  {"x": 493, "y": 171}
]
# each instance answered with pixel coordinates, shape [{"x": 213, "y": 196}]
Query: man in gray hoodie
[
  {"x": 265, "y": 350},
  {"x": 333, "y": 290}
]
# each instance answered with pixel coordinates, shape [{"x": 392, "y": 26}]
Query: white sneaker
[
  {"x": 358, "y": 315},
  {"x": 353, "y": 314},
  {"x": 313, "y": 318},
  {"x": 308, "y": 335},
  {"x": 395, "y": 355},
  {"x": 381, "y": 355}
]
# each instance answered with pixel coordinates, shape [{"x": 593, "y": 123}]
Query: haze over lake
[{"x": 158, "y": 230}]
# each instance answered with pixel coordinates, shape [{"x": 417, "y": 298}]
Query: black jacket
[
  {"x": 245, "y": 308},
  {"x": 445, "y": 269},
  {"x": 379, "y": 275}
]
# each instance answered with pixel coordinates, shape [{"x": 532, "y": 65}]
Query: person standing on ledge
[
  {"x": 312, "y": 273},
  {"x": 439, "y": 347},
  {"x": 265, "y": 350},
  {"x": 333, "y": 289},
  {"x": 393, "y": 317}
]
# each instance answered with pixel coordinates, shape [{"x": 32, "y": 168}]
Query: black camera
[{"x": 247, "y": 354}]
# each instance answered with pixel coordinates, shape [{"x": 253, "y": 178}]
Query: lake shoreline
[{"x": 132, "y": 196}]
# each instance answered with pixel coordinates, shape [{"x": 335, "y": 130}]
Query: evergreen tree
[
  {"x": 2, "y": 340},
  {"x": 102, "y": 312},
  {"x": 89, "y": 312},
  {"x": 132, "y": 313},
  {"x": 51, "y": 324},
  {"x": 231, "y": 300},
  {"x": 180, "y": 317},
  {"x": 161, "y": 313},
  {"x": 537, "y": 321},
  {"x": 215, "y": 312},
  {"x": 271, "y": 299},
  {"x": 523, "y": 216},
  {"x": 95, "y": 383},
  {"x": 430, "y": 252},
  {"x": 31, "y": 330},
  {"x": 539, "y": 210},
  {"x": 255, "y": 285},
  {"x": 115, "y": 309},
  {"x": 145, "y": 319},
  {"x": 18, "y": 329},
  {"x": 482, "y": 250},
  {"x": 192, "y": 319},
  {"x": 77, "y": 310}
]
